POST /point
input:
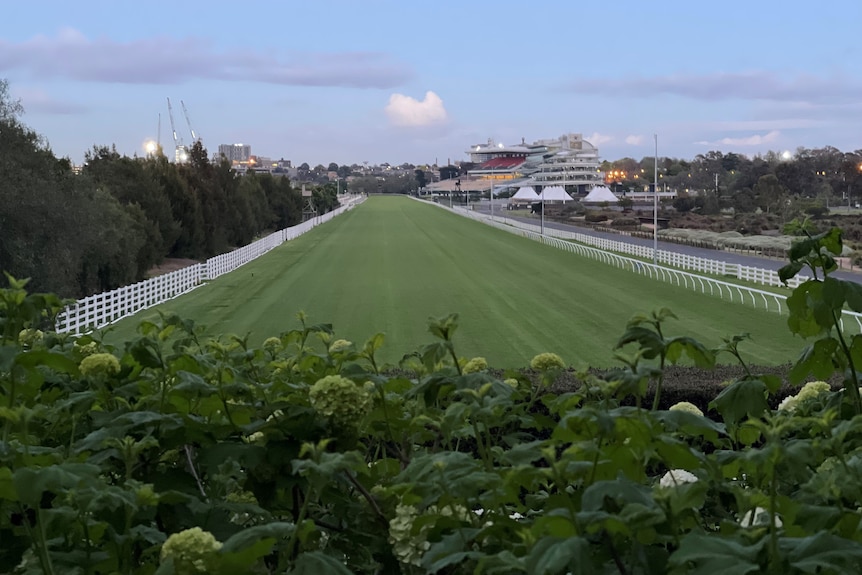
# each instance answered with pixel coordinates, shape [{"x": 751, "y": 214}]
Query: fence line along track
[
  {"x": 102, "y": 309},
  {"x": 603, "y": 251}
]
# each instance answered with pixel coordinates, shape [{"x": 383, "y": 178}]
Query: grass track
[{"x": 393, "y": 262}]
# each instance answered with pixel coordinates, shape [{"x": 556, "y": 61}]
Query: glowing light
[
  {"x": 150, "y": 146},
  {"x": 786, "y": 155}
]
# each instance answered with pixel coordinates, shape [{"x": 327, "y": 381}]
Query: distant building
[
  {"x": 235, "y": 153},
  {"x": 568, "y": 161}
]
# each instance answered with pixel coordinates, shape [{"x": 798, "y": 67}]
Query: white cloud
[
  {"x": 70, "y": 54},
  {"x": 754, "y": 140},
  {"x": 634, "y": 140},
  {"x": 598, "y": 139},
  {"x": 410, "y": 112}
]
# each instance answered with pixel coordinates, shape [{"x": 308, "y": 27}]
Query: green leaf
[
  {"x": 56, "y": 361},
  {"x": 244, "y": 549},
  {"x": 702, "y": 554},
  {"x": 802, "y": 248},
  {"x": 554, "y": 554},
  {"x": 789, "y": 271},
  {"x": 702, "y": 357},
  {"x": 816, "y": 359},
  {"x": 834, "y": 293},
  {"x": 822, "y": 553},
  {"x": 853, "y": 293},
  {"x": 831, "y": 240},
  {"x": 744, "y": 397},
  {"x": 648, "y": 340},
  {"x": 802, "y": 303},
  {"x": 7, "y": 488},
  {"x": 317, "y": 563},
  {"x": 31, "y": 482}
]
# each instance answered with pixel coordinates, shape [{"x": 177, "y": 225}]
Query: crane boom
[
  {"x": 189, "y": 122},
  {"x": 173, "y": 127}
]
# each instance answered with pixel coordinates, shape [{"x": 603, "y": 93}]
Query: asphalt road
[{"x": 729, "y": 257}]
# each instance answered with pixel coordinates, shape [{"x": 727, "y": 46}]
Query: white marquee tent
[
  {"x": 601, "y": 194},
  {"x": 555, "y": 194},
  {"x": 525, "y": 194}
]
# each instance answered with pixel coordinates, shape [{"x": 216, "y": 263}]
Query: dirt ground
[{"x": 170, "y": 265}]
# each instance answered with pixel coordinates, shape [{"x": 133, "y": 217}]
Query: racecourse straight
[{"x": 391, "y": 263}]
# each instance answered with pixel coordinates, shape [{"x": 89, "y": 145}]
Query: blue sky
[{"x": 414, "y": 81}]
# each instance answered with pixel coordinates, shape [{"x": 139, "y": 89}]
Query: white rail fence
[
  {"x": 105, "y": 308},
  {"x": 770, "y": 301}
]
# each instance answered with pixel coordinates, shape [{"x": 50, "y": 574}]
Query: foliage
[
  {"x": 79, "y": 234},
  {"x": 179, "y": 454}
]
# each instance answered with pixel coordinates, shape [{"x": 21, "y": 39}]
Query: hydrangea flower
[
  {"x": 272, "y": 344},
  {"x": 340, "y": 345},
  {"x": 341, "y": 400},
  {"x": 547, "y": 361},
  {"x": 809, "y": 391},
  {"x": 686, "y": 406},
  {"x": 100, "y": 364},
  {"x": 812, "y": 389},
  {"x": 788, "y": 403},
  {"x": 193, "y": 551},
  {"x": 676, "y": 477},
  {"x": 30, "y": 337},
  {"x": 475, "y": 365},
  {"x": 511, "y": 382},
  {"x": 86, "y": 349},
  {"x": 410, "y": 548},
  {"x": 758, "y": 517}
]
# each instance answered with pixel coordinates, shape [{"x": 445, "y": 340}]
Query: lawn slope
[{"x": 389, "y": 264}]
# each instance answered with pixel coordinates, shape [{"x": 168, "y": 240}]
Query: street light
[
  {"x": 491, "y": 200},
  {"x": 543, "y": 210},
  {"x": 458, "y": 185}
]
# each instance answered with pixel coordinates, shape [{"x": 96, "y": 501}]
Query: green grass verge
[{"x": 393, "y": 262}]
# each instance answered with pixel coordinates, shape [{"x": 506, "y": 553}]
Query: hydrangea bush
[{"x": 173, "y": 453}]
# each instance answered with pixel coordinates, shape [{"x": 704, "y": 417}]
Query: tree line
[
  {"x": 822, "y": 177},
  {"x": 80, "y": 233}
]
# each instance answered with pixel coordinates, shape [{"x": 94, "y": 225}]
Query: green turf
[{"x": 389, "y": 264}]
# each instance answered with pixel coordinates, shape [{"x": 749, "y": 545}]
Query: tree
[
  {"x": 449, "y": 172},
  {"x": 333, "y": 167},
  {"x": 769, "y": 192},
  {"x": 420, "y": 178}
]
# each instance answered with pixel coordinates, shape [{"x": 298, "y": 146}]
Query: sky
[{"x": 353, "y": 81}]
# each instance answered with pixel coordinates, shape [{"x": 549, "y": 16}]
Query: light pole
[
  {"x": 450, "y": 199},
  {"x": 655, "y": 205},
  {"x": 491, "y": 200},
  {"x": 458, "y": 185},
  {"x": 543, "y": 210}
]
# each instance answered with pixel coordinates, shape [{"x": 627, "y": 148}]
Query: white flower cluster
[
  {"x": 809, "y": 391},
  {"x": 676, "y": 477},
  {"x": 686, "y": 406},
  {"x": 409, "y": 547},
  {"x": 193, "y": 551}
]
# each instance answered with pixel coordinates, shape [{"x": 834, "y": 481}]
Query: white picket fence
[
  {"x": 105, "y": 308},
  {"x": 604, "y": 252}
]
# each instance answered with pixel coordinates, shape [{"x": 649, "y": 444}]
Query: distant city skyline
[{"x": 388, "y": 81}]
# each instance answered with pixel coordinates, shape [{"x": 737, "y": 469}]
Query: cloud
[
  {"x": 410, "y": 112},
  {"x": 754, "y": 85},
  {"x": 598, "y": 139},
  {"x": 38, "y": 102},
  {"x": 634, "y": 140},
  {"x": 72, "y": 55},
  {"x": 755, "y": 140}
]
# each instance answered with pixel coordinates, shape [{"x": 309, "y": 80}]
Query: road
[{"x": 729, "y": 257}]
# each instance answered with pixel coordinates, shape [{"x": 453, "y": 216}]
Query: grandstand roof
[{"x": 501, "y": 163}]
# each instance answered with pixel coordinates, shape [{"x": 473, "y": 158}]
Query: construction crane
[
  {"x": 180, "y": 153},
  {"x": 195, "y": 137}
]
